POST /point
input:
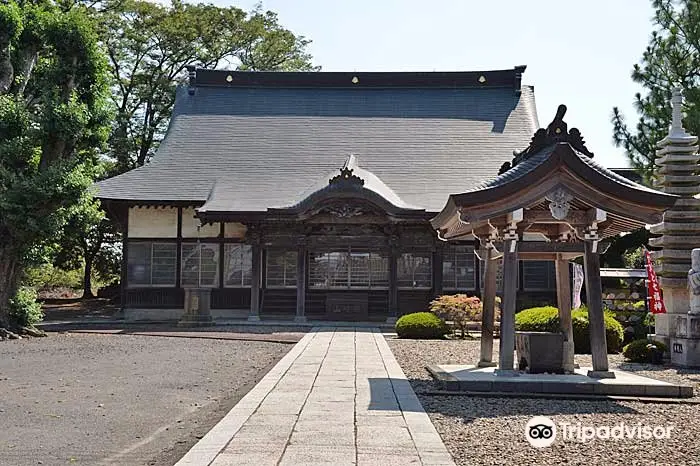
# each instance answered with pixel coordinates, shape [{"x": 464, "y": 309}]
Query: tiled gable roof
[{"x": 263, "y": 147}]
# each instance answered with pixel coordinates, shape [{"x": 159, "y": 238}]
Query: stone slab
[
  {"x": 324, "y": 404},
  {"x": 296, "y": 455},
  {"x": 249, "y": 458},
  {"x": 369, "y": 459},
  {"x": 483, "y": 379},
  {"x": 206, "y": 450}
]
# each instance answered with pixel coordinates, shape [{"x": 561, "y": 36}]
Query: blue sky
[{"x": 577, "y": 53}]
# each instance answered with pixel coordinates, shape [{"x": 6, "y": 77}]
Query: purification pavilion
[{"x": 552, "y": 202}]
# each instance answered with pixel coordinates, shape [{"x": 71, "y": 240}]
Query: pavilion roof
[{"x": 555, "y": 168}]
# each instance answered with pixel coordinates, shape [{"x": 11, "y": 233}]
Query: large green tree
[
  {"x": 672, "y": 59},
  {"x": 53, "y": 118},
  {"x": 88, "y": 240},
  {"x": 149, "y": 46}
]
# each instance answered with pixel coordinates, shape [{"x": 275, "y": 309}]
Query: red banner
[{"x": 656, "y": 302}]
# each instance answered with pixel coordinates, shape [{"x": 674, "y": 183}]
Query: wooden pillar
[
  {"x": 254, "y": 314},
  {"x": 125, "y": 268},
  {"x": 564, "y": 305},
  {"x": 301, "y": 284},
  {"x": 594, "y": 296},
  {"x": 393, "y": 278},
  {"x": 489, "y": 308},
  {"x": 510, "y": 289},
  {"x": 178, "y": 252},
  {"x": 438, "y": 259}
]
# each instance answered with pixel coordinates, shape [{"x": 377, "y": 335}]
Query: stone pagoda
[{"x": 678, "y": 173}]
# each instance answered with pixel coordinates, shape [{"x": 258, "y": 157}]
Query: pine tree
[{"x": 672, "y": 59}]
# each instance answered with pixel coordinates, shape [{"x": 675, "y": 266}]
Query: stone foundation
[
  {"x": 174, "y": 315},
  {"x": 685, "y": 342}
]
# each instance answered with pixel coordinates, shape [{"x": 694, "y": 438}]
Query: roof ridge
[{"x": 202, "y": 77}]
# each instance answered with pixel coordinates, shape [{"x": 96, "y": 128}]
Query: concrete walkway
[{"x": 338, "y": 397}]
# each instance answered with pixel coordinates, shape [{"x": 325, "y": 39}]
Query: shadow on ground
[
  {"x": 79, "y": 309},
  {"x": 76, "y": 315}
]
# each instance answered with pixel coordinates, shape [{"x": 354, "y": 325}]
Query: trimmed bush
[
  {"x": 424, "y": 325},
  {"x": 614, "y": 332},
  {"x": 640, "y": 350},
  {"x": 538, "y": 319},
  {"x": 546, "y": 319},
  {"x": 24, "y": 310}
]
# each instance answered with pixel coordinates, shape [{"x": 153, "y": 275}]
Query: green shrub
[
  {"x": 649, "y": 320},
  {"x": 546, "y": 319},
  {"x": 640, "y": 351},
  {"x": 614, "y": 332},
  {"x": 640, "y": 306},
  {"x": 421, "y": 325},
  {"x": 25, "y": 311},
  {"x": 460, "y": 309},
  {"x": 538, "y": 319},
  {"x": 46, "y": 276}
]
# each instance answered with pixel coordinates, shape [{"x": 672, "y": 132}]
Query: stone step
[
  {"x": 672, "y": 255},
  {"x": 688, "y": 143},
  {"x": 690, "y": 156},
  {"x": 682, "y": 215},
  {"x": 665, "y": 268},
  {"x": 670, "y": 282},
  {"x": 679, "y": 169},
  {"x": 680, "y": 179},
  {"x": 675, "y": 242},
  {"x": 682, "y": 190},
  {"x": 687, "y": 203},
  {"x": 670, "y": 227}
]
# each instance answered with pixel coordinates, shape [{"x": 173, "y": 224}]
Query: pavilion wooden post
[
  {"x": 594, "y": 296},
  {"x": 564, "y": 305},
  {"x": 489, "y": 307},
  {"x": 510, "y": 288},
  {"x": 301, "y": 283}
]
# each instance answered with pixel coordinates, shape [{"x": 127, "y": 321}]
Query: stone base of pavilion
[{"x": 469, "y": 378}]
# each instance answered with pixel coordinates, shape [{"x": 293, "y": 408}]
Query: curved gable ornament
[
  {"x": 346, "y": 179},
  {"x": 347, "y": 210},
  {"x": 557, "y": 131}
]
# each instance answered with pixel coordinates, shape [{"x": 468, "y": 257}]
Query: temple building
[{"x": 309, "y": 195}]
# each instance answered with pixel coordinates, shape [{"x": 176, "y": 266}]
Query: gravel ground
[
  {"x": 491, "y": 430},
  {"x": 119, "y": 399}
]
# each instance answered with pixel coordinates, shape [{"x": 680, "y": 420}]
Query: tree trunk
[
  {"x": 87, "y": 277},
  {"x": 27, "y": 60},
  {"x": 9, "y": 275},
  {"x": 6, "y": 71}
]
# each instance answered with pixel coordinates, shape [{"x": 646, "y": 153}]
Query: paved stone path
[{"x": 338, "y": 397}]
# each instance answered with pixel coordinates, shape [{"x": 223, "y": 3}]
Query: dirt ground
[
  {"x": 81, "y": 398},
  {"x": 79, "y": 309}
]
